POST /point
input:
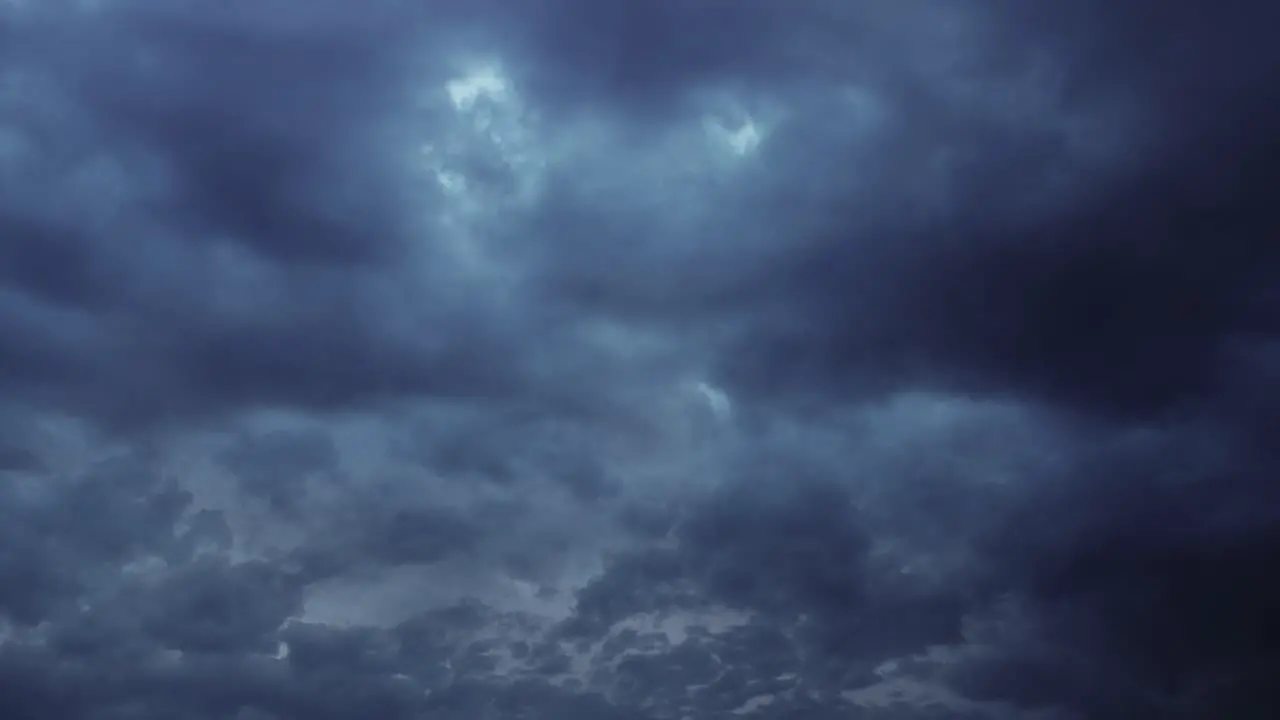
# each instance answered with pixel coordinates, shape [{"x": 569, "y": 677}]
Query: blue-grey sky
[{"x": 681, "y": 359}]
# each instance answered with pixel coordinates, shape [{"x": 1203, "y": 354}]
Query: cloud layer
[{"x": 659, "y": 360}]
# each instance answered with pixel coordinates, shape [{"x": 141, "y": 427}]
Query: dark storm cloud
[
  {"x": 205, "y": 210},
  {"x": 120, "y": 602},
  {"x": 783, "y": 548},
  {"x": 276, "y": 466},
  {"x": 647, "y": 57},
  {"x": 1124, "y": 306},
  {"x": 1070, "y": 258},
  {"x": 1050, "y": 222},
  {"x": 64, "y": 536},
  {"x": 1128, "y": 304},
  {"x": 1150, "y": 563},
  {"x": 1122, "y": 289}
]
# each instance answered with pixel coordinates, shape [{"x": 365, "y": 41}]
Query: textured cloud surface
[{"x": 683, "y": 359}]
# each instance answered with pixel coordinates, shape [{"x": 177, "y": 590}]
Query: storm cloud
[{"x": 677, "y": 359}]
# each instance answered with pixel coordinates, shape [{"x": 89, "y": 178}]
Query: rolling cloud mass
[{"x": 620, "y": 360}]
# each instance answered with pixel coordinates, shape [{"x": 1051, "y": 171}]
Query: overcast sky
[{"x": 622, "y": 360}]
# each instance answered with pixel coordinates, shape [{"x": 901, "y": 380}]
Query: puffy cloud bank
[{"x": 572, "y": 359}]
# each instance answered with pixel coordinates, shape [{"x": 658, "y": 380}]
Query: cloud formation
[{"x": 655, "y": 360}]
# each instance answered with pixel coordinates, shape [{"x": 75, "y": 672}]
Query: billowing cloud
[{"x": 657, "y": 360}]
